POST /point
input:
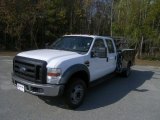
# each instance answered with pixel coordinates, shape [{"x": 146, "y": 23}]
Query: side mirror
[{"x": 100, "y": 53}]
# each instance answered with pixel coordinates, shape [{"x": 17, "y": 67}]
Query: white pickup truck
[{"x": 69, "y": 66}]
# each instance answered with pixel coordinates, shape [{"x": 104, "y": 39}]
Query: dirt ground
[
  {"x": 147, "y": 62},
  {"x": 137, "y": 62},
  {"x": 8, "y": 53}
]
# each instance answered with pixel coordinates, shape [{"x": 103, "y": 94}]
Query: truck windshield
[{"x": 73, "y": 43}]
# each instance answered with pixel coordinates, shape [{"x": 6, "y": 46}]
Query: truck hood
[{"x": 46, "y": 54}]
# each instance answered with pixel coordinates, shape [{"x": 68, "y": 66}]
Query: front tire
[{"x": 75, "y": 93}]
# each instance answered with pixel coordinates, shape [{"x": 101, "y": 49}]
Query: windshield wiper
[{"x": 67, "y": 49}]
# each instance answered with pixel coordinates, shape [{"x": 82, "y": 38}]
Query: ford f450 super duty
[{"x": 69, "y": 66}]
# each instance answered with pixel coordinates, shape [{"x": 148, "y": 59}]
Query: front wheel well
[{"x": 80, "y": 74}]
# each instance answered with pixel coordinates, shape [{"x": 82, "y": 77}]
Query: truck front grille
[{"x": 30, "y": 69}]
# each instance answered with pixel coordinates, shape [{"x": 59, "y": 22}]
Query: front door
[{"x": 98, "y": 66}]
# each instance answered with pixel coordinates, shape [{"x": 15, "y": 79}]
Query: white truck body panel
[
  {"x": 45, "y": 54},
  {"x": 56, "y": 58}
]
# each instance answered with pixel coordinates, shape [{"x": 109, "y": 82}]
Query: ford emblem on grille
[{"x": 23, "y": 69}]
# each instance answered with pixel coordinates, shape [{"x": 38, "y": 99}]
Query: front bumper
[{"x": 38, "y": 89}]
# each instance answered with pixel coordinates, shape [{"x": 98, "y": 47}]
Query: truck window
[
  {"x": 73, "y": 43},
  {"x": 98, "y": 44},
  {"x": 110, "y": 46}
]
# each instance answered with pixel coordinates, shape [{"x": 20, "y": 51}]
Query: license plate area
[{"x": 20, "y": 87}]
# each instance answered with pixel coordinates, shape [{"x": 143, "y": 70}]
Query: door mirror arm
[{"x": 93, "y": 54}]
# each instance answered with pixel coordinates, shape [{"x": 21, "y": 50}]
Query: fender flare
[{"x": 71, "y": 70}]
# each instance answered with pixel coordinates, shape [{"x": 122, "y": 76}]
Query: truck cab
[{"x": 67, "y": 67}]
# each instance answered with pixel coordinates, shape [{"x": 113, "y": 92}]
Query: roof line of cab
[{"x": 86, "y": 35}]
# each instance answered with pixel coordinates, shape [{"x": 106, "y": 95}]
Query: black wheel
[
  {"x": 127, "y": 72},
  {"x": 75, "y": 93}
]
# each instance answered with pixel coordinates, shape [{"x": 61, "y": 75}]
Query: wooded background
[{"x": 29, "y": 24}]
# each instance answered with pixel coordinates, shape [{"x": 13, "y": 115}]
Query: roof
[{"x": 85, "y": 35}]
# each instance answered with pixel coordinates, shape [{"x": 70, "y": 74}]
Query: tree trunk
[
  {"x": 5, "y": 39},
  {"x": 71, "y": 22},
  {"x": 141, "y": 47},
  {"x": 111, "y": 18}
]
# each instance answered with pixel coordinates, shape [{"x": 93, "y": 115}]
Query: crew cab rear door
[{"x": 111, "y": 55}]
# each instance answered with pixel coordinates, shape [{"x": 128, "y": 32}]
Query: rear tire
[
  {"x": 127, "y": 72},
  {"x": 75, "y": 93}
]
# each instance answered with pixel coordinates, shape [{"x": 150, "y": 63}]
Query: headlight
[{"x": 53, "y": 75}]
